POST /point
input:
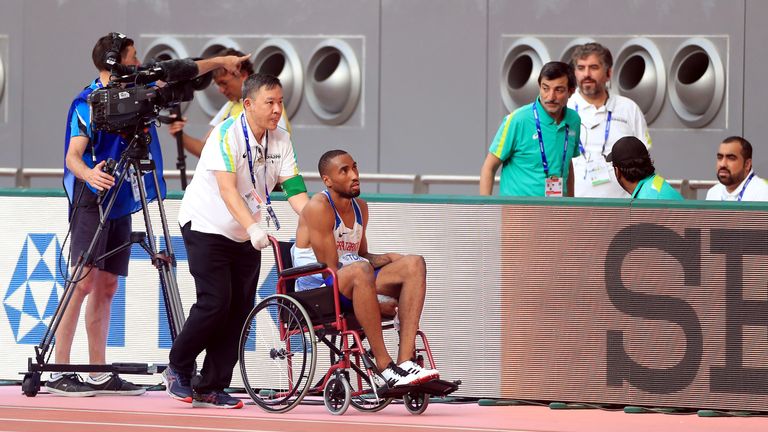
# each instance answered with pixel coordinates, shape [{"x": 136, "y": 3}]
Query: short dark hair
[
  {"x": 245, "y": 66},
  {"x": 746, "y": 146},
  {"x": 557, "y": 69},
  {"x": 635, "y": 170},
  {"x": 586, "y": 50},
  {"x": 103, "y": 45},
  {"x": 325, "y": 160},
  {"x": 256, "y": 81}
]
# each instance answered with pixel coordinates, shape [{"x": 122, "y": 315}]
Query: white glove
[{"x": 259, "y": 238}]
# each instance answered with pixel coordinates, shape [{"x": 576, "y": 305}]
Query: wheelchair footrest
[
  {"x": 438, "y": 387},
  {"x": 433, "y": 388}
]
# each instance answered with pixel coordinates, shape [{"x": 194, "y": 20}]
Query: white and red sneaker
[
  {"x": 421, "y": 374},
  {"x": 393, "y": 376}
]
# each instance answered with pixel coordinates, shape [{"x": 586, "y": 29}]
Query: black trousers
[
  {"x": 85, "y": 220},
  {"x": 226, "y": 274}
]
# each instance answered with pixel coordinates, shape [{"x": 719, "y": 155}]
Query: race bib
[
  {"x": 350, "y": 258},
  {"x": 553, "y": 187}
]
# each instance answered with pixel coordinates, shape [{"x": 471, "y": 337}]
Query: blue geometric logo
[{"x": 35, "y": 288}]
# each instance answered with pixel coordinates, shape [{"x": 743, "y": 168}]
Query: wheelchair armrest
[{"x": 305, "y": 269}]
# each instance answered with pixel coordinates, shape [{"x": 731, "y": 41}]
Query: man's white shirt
[
  {"x": 593, "y": 176},
  {"x": 756, "y": 190},
  {"x": 226, "y": 151}
]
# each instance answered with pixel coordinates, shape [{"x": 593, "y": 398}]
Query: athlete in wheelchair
[{"x": 336, "y": 293}]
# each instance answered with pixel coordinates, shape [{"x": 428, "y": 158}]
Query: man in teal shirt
[
  {"x": 635, "y": 172},
  {"x": 535, "y": 143}
]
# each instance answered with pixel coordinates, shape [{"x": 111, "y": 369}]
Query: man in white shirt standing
[
  {"x": 604, "y": 119},
  {"x": 738, "y": 182}
]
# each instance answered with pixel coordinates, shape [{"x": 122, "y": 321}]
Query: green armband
[{"x": 294, "y": 186}]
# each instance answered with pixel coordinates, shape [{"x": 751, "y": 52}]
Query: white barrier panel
[
  {"x": 573, "y": 300},
  {"x": 30, "y": 285}
]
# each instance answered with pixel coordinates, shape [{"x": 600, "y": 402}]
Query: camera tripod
[
  {"x": 134, "y": 161},
  {"x": 181, "y": 157}
]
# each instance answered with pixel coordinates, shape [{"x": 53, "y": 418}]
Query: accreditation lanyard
[
  {"x": 544, "y": 163},
  {"x": 270, "y": 211},
  {"x": 607, "y": 132},
  {"x": 746, "y": 183}
]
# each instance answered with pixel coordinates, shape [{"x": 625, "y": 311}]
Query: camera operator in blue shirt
[{"x": 86, "y": 152}]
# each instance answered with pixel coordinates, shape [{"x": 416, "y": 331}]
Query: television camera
[{"x": 136, "y": 94}]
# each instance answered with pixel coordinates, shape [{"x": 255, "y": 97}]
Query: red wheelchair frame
[{"x": 282, "y": 332}]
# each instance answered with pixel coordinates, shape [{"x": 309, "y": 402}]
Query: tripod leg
[
  {"x": 42, "y": 349},
  {"x": 181, "y": 160},
  {"x": 174, "y": 307},
  {"x": 165, "y": 264}
]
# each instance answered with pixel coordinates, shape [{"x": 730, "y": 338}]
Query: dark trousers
[
  {"x": 226, "y": 274},
  {"x": 116, "y": 233}
]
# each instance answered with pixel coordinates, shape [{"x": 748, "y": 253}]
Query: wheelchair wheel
[
  {"x": 416, "y": 403},
  {"x": 363, "y": 396},
  {"x": 337, "y": 395},
  {"x": 278, "y": 353}
]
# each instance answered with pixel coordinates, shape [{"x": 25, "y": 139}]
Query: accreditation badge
[
  {"x": 133, "y": 176},
  {"x": 598, "y": 171},
  {"x": 253, "y": 201},
  {"x": 553, "y": 187}
]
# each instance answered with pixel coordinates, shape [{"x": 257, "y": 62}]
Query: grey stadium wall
[{"x": 409, "y": 87}]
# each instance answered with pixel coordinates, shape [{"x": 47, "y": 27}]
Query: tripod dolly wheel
[{"x": 30, "y": 386}]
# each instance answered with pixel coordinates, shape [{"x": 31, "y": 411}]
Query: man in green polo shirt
[
  {"x": 635, "y": 172},
  {"x": 534, "y": 144}
]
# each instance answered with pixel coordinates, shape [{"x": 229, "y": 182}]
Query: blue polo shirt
[
  {"x": 103, "y": 146},
  {"x": 655, "y": 187},
  {"x": 516, "y": 144}
]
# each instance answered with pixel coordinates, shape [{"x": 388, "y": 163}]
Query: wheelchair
[{"x": 284, "y": 335}]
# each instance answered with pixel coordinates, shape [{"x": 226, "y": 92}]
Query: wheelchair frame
[{"x": 298, "y": 320}]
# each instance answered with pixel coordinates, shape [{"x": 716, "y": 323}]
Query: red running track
[{"x": 154, "y": 411}]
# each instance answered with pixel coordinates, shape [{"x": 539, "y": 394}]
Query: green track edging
[{"x": 480, "y": 200}]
